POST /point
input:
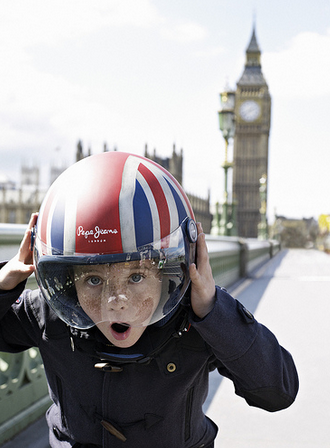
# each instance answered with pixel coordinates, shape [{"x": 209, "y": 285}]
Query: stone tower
[
  {"x": 252, "y": 111},
  {"x": 172, "y": 164}
]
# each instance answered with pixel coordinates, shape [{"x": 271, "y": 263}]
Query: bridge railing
[
  {"x": 23, "y": 386},
  {"x": 233, "y": 258}
]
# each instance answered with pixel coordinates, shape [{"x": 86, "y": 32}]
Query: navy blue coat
[{"x": 156, "y": 401}]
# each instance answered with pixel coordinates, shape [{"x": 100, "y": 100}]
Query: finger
[
  {"x": 33, "y": 220},
  {"x": 199, "y": 228},
  {"x": 24, "y": 249},
  {"x": 25, "y": 255},
  {"x": 202, "y": 252}
]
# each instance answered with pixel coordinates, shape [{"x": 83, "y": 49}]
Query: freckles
[
  {"x": 145, "y": 308},
  {"x": 91, "y": 306}
]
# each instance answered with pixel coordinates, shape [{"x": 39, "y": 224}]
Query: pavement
[{"x": 291, "y": 296}]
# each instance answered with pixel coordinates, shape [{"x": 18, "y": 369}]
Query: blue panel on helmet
[
  {"x": 142, "y": 217},
  {"x": 179, "y": 205},
  {"x": 57, "y": 228}
]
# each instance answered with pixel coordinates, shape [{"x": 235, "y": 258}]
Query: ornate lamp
[{"x": 227, "y": 127}]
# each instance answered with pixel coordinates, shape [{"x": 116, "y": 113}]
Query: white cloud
[
  {"x": 34, "y": 101},
  {"x": 184, "y": 32},
  {"x": 210, "y": 52},
  {"x": 302, "y": 69},
  {"x": 34, "y": 21}
]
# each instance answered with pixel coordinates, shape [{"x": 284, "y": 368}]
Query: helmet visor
[{"x": 127, "y": 290}]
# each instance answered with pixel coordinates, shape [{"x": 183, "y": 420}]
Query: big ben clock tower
[{"x": 252, "y": 111}]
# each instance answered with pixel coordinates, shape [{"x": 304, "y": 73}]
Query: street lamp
[
  {"x": 263, "y": 227},
  {"x": 227, "y": 127}
]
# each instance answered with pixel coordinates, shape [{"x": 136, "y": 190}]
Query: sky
[{"x": 137, "y": 72}]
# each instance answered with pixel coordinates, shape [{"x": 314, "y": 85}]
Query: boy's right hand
[{"x": 21, "y": 266}]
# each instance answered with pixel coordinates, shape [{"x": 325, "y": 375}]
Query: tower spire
[
  {"x": 253, "y": 45},
  {"x": 252, "y": 70}
]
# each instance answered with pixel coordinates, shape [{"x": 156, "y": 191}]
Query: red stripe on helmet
[
  {"x": 160, "y": 199},
  {"x": 98, "y": 221},
  {"x": 168, "y": 174}
]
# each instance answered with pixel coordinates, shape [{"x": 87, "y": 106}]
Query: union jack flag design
[{"x": 111, "y": 203}]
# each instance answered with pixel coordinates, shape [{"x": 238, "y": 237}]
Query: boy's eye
[
  {"x": 136, "y": 278},
  {"x": 94, "y": 281}
]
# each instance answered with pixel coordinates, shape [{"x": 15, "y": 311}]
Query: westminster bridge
[{"x": 287, "y": 290}]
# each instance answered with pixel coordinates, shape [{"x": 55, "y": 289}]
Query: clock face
[{"x": 249, "y": 110}]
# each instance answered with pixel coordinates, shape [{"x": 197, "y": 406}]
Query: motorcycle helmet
[{"x": 105, "y": 213}]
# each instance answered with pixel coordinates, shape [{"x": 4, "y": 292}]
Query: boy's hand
[
  {"x": 202, "y": 281},
  {"x": 21, "y": 266}
]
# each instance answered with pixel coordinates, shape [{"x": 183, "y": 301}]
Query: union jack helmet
[{"x": 113, "y": 208}]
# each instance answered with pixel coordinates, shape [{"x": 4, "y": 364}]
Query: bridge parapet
[
  {"x": 23, "y": 387},
  {"x": 232, "y": 258}
]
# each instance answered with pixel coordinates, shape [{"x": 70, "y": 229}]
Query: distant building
[
  {"x": 80, "y": 152},
  {"x": 299, "y": 233},
  {"x": 17, "y": 204},
  {"x": 6, "y": 183},
  {"x": 55, "y": 171},
  {"x": 173, "y": 164},
  {"x": 201, "y": 208},
  {"x": 30, "y": 176}
]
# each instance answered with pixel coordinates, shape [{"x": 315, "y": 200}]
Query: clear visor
[{"x": 126, "y": 290}]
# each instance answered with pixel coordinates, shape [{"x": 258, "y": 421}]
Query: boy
[{"x": 128, "y": 319}]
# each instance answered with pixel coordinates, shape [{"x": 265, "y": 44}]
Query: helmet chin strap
[{"x": 115, "y": 362}]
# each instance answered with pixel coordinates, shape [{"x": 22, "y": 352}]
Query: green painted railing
[
  {"x": 23, "y": 387},
  {"x": 234, "y": 258}
]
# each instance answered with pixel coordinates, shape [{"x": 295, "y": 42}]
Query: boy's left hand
[{"x": 202, "y": 281}]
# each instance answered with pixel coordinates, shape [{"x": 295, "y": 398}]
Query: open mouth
[
  {"x": 120, "y": 328},
  {"x": 120, "y": 331}
]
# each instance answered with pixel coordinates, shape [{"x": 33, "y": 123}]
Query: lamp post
[
  {"x": 227, "y": 127},
  {"x": 263, "y": 227}
]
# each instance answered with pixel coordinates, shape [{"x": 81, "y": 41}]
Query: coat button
[
  {"x": 171, "y": 367},
  {"x": 248, "y": 313}
]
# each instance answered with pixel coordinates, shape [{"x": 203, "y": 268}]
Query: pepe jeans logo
[{"x": 95, "y": 234}]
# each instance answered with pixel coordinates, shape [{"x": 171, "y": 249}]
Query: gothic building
[
  {"x": 173, "y": 164},
  {"x": 252, "y": 112},
  {"x": 17, "y": 203}
]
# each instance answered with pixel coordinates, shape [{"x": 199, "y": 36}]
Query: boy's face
[{"x": 120, "y": 298}]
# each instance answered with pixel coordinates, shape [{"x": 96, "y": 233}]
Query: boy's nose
[{"x": 117, "y": 302}]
